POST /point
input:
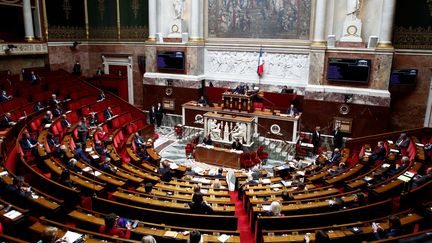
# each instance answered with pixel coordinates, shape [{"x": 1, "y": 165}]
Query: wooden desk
[{"x": 218, "y": 156}]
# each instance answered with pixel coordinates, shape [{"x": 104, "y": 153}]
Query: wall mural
[{"x": 266, "y": 19}]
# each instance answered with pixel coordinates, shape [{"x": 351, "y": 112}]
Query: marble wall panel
[{"x": 409, "y": 103}]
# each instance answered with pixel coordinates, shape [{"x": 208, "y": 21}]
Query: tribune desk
[
  {"x": 276, "y": 124},
  {"x": 218, "y": 156}
]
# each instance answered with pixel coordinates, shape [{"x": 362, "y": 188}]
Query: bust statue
[{"x": 178, "y": 8}]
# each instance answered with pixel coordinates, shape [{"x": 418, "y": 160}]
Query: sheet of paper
[
  {"x": 71, "y": 236},
  {"x": 172, "y": 234},
  {"x": 223, "y": 238},
  {"x": 13, "y": 214}
]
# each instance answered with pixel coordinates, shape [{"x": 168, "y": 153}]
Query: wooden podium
[{"x": 238, "y": 102}]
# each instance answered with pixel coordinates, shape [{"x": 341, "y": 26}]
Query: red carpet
[{"x": 246, "y": 235}]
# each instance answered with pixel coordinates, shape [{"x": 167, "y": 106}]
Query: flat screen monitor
[
  {"x": 403, "y": 76},
  {"x": 348, "y": 70},
  {"x": 171, "y": 61}
]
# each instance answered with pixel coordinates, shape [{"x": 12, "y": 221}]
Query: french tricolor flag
[{"x": 260, "y": 69}]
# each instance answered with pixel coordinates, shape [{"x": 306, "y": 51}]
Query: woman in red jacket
[{"x": 111, "y": 228}]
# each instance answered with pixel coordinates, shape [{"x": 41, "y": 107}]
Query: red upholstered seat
[
  {"x": 254, "y": 158},
  {"x": 245, "y": 160},
  {"x": 261, "y": 154}
]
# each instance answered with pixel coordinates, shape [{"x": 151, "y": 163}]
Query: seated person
[
  {"x": 420, "y": 180},
  {"x": 320, "y": 237},
  {"x": 220, "y": 175},
  {"x": 18, "y": 188},
  {"x": 166, "y": 172},
  {"x": 93, "y": 122},
  {"x": 240, "y": 89},
  {"x": 106, "y": 166},
  {"x": 142, "y": 153},
  {"x": 285, "y": 90},
  {"x": 112, "y": 227},
  {"x": 198, "y": 205},
  {"x": 38, "y": 107},
  {"x": 237, "y": 145},
  {"x": 53, "y": 101},
  {"x": 108, "y": 114},
  {"x": 216, "y": 184},
  {"x": 335, "y": 157},
  {"x": 57, "y": 111},
  {"x": 286, "y": 196},
  {"x": 7, "y": 121},
  {"x": 275, "y": 209},
  {"x": 62, "y": 154},
  {"x": 292, "y": 111},
  {"x": 139, "y": 141},
  {"x": 101, "y": 96},
  {"x": 395, "y": 228},
  {"x": 148, "y": 187},
  {"x": 359, "y": 200},
  {"x": 50, "y": 235},
  {"x": 28, "y": 143},
  {"x": 80, "y": 154},
  {"x": 404, "y": 162},
  {"x": 202, "y": 101},
  {"x": 207, "y": 140},
  {"x": 341, "y": 168},
  {"x": 148, "y": 239},
  {"x": 403, "y": 141},
  {"x": 71, "y": 165},
  {"x": 100, "y": 149},
  {"x": 4, "y": 97},
  {"x": 65, "y": 123},
  {"x": 47, "y": 119},
  {"x": 195, "y": 237},
  {"x": 65, "y": 179},
  {"x": 52, "y": 143},
  {"x": 99, "y": 71},
  {"x": 379, "y": 153},
  {"x": 100, "y": 135}
]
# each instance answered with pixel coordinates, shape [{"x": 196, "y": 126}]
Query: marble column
[
  {"x": 152, "y": 20},
  {"x": 194, "y": 33},
  {"x": 28, "y": 20},
  {"x": 319, "y": 28},
  {"x": 387, "y": 18}
]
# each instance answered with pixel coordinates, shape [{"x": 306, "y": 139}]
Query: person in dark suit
[
  {"x": 198, "y": 205},
  {"x": 207, "y": 140},
  {"x": 379, "y": 153},
  {"x": 28, "y": 143},
  {"x": 403, "y": 141},
  {"x": 166, "y": 172},
  {"x": 202, "y": 101},
  {"x": 38, "y": 106},
  {"x": 395, "y": 228},
  {"x": 47, "y": 119},
  {"x": 18, "y": 188},
  {"x": 108, "y": 114},
  {"x": 57, "y": 111},
  {"x": 101, "y": 96},
  {"x": 337, "y": 138},
  {"x": 316, "y": 139},
  {"x": 53, "y": 144},
  {"x": 335, "y": 157},
  {"x": 4, "y": 97},
  {"x": 79, "y": 153},
  {"x": 100, "y": 149},
  {"x": 77, "y": 69},
  {"x": 71, "y": 165},
  {"x": 139, "y": 141},
  {"x": 404, "y": 162},
  {"x": 64, "y": 122},
  {"x": 159, "y": 114},
  {"x": 99, "y": 71},
  {"x": 34, "y": 78},
  {"x": 292, "y": 111},
  {"x": 93, "y": 122},
  {"x": 219, "y": 175},
  {"x": 420, "y": 180},
  {"x": 53, "y": 101},
  {"x": 237, "y": 145},
  {"x": 152, "y": 114},
  {"x": 65, "y": 179},
  {"x": 7, "y": 121}
]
